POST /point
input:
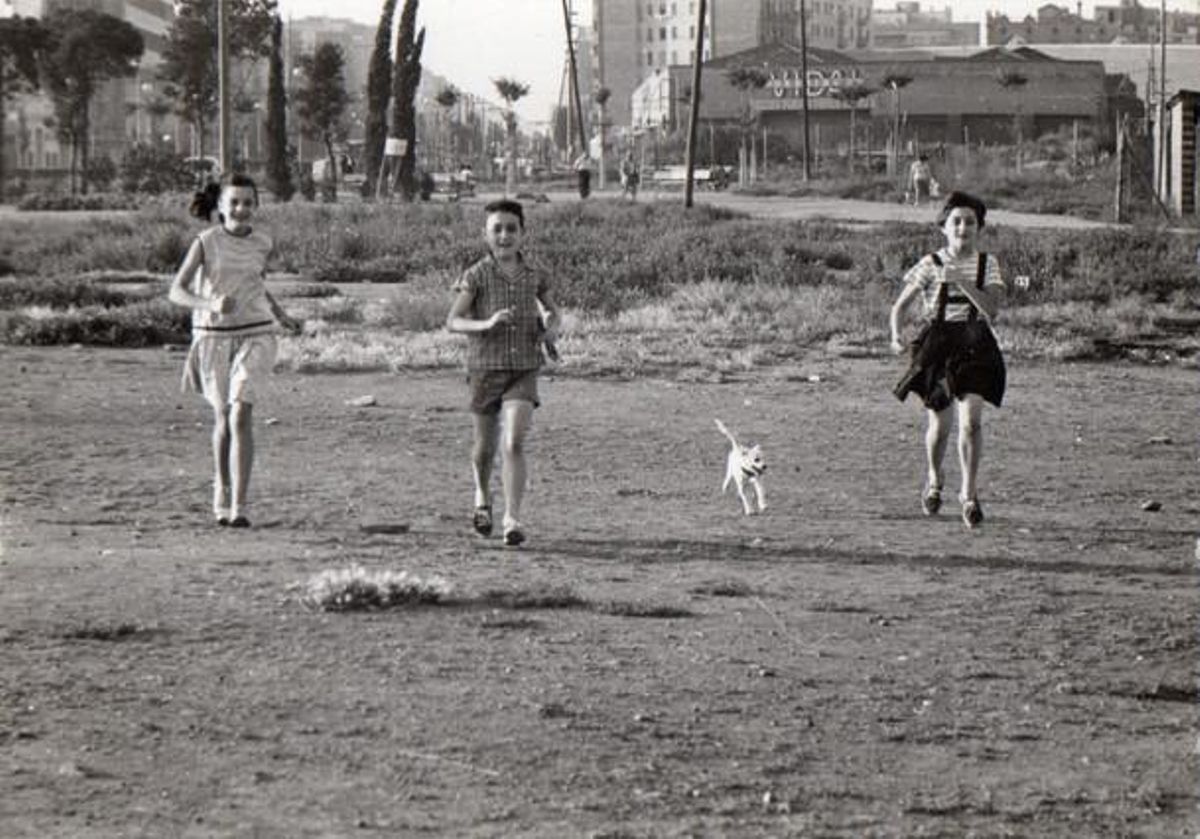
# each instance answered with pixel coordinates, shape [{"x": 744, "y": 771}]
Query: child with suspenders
[{"x": 955, "y": 362}]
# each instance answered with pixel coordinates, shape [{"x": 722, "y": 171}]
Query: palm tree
[
  {"x": 852, "y": 94},
  {"x": 1014, "y": 81},
  {"x": 602, "y": 97},
  {"x": 895, "y": 82},
  {"x": 510, "y": 91},
  {"x": 448, "y": 97}
]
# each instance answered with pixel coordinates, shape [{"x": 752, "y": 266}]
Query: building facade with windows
[
  {"x": 1128, "y": 22},
  {"x": 637, "y": 39},
  {"x": 908, "y": 25}
]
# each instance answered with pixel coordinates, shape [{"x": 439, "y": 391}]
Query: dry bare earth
[{"x": 652, "y": 664}]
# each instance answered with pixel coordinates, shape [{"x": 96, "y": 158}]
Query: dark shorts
[
  {"x": 951, "y": 360},
  {"x": 491, "y": 388}
]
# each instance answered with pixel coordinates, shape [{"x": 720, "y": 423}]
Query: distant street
[{"x": 841, "y": 209}]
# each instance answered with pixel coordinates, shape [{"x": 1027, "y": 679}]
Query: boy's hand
[
  {"x": 502, "y": 316},
  {"x": 222, "y": 304},
  {"x": 897, "y": 345}
]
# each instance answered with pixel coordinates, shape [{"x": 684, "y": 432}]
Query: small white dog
[{"x": 744, "y": 465}]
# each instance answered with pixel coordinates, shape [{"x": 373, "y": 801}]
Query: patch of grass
[
  {"x": 357, "y": 589},
  {"x": 552, "y": 597},
  {"x": 124, "y": 631},
  {"x": 628, "y": 609}
]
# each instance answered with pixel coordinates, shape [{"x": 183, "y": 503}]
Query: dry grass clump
[{"x": 357, "y": 589}]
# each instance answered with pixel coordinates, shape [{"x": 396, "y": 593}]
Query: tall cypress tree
[
  {"x": 379, "y": 96},
  {"x": 404, "y": 92},
  {"x": 279, "y": 172}
]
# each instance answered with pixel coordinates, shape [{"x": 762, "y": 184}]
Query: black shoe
[
  {"x": 514, "y": 536},
  {"x": 931, "y": 501},
  {"x": 239, "y": 521},
  {"x": 482, "y": 520},
  {"x": 972, "y": 513}
]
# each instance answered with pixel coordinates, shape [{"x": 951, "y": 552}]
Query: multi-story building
[
  {"x": 634, "y": 39},
  {"x": 1128, "y": 22},
  {"x": 908, "y": 25}
]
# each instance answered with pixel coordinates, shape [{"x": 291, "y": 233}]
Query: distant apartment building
[
  {"x": 1128, "y": 22},
  {"x": 908, "y": 25},
  {"x": 635, "y": 39}
]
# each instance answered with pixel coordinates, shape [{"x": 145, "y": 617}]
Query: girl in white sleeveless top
[{"x": 234, "y": 323}]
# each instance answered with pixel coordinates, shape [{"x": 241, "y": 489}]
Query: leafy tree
[
  {"x": 379, "y": 95},
  {"x": 852, "y": 94},
  {"x": 510, "y": 91},
  {"x": 322, "y": 99},
  {"x": 22, "y": 40},
  {"x": 406, "y": 79},
  {"x": 153, "y": 169},
  {"x": 1014, "y": 82},
  {"x": 190, "y": 55},
  {"x": 85, "y": 49},
  {"x": 279, "y": 172},
  {"x": 746, "y": 79}
]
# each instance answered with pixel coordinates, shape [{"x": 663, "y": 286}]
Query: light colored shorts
[
  {"x": 492, "y": 388},
  {"x": 227, "y": 369}
]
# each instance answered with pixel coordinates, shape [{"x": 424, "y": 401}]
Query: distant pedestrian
[
  {"x": 505, "y": 307},
  {"x": 920, "y": 180},
  {"x": 630, "y": 177},
  {"x": 583, "y": 172},
  {"x": 955, "y": 361},
  {"x": 234, "y": 321}
]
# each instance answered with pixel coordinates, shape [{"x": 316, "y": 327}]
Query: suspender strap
[{"x": 940, "y": 312}]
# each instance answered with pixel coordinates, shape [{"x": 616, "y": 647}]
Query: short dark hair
[
  {"x": 506, "y": 205},
  {"x": 205, "y": 201},
  {"x": 962, "y": 199}
]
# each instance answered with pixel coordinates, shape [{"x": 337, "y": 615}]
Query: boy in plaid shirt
[{"x": 505, "y": 308}]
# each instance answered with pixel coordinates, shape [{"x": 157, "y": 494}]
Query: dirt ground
[{"x": 652, "y": 663}]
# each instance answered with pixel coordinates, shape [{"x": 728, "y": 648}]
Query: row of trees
[{"x": 70, "y": 53}]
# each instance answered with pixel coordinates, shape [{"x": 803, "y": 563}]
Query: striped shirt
[
  {"x": 509, "y": 346},
  {"x": 954, "y": 274},
  {"x": 233, "y": 266}
]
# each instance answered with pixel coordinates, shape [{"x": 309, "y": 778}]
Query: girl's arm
[
  {"x": 285, "y": 320},
  {"x": 181, "y": 295},
  {"x": 457, "y": 320},
  {"x": 899, "y": 308},
  {"x": 551, "y": 316}
]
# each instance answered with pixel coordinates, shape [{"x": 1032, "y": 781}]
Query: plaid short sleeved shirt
[{"x": 513, "y": 346}]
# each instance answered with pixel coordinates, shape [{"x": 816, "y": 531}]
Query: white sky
[{"x": 471, "y": 42}]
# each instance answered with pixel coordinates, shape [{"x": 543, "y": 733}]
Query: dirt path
[{"x": 653, "y": 663}]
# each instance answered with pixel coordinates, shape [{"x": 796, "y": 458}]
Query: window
[
  {"x": 662, "y": 33},
  {"x": 692, "y": 32},
  {"x": 672, "y": 9},
  {"x": 649, "y": 58},
  {"x": 649, "y": 34},
  {"x": 674, "y": 32}
]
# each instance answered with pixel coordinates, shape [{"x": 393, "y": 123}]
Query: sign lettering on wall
[{"x": 785, "y": 83}]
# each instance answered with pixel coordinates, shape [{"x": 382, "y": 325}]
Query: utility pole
[
  {"x": 224, "y": 139},
  {"x": 804, "y": 85},
  {"x": 694, "y": 117},
  {"x": 1160, "y": 185},
  {"x": 574, "y": 76}
]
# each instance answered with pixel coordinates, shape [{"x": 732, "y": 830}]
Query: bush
[
  {"x": 101, "y": 172},
  {"x": 149, "y": 323},
  {"x": 154, "y": 170},
  {"x": 59, "y": 293},
  {"x": 92, "y": 201}
]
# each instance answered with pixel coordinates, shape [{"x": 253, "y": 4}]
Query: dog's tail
[{"x": 721, "y": 427}]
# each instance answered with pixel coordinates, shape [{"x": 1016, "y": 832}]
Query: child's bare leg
[
  {"x": 970, "y": 441},
  {"x": 937, "y": 438},
  {"x": 483, "y": 455},
  {"x": 241, "y": 453},
  {"x": 220, "y": 451},
  {"x": 518, "y": 416}
]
